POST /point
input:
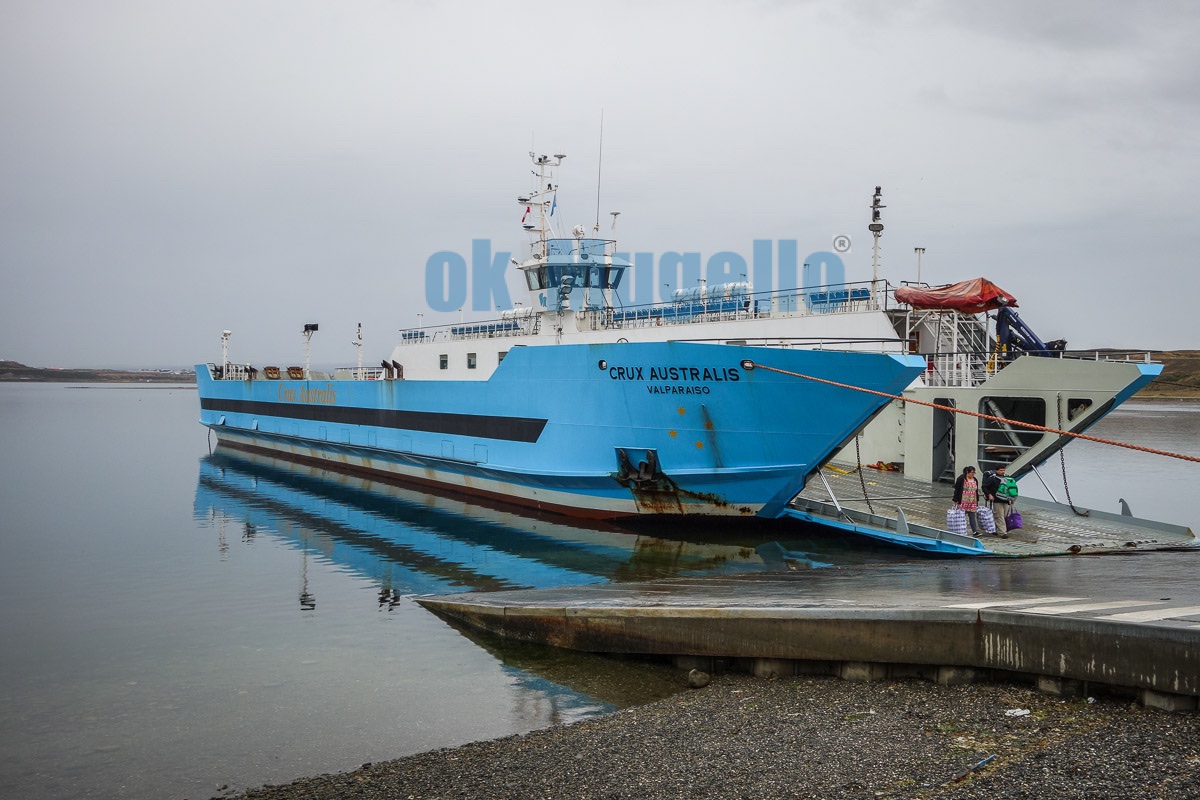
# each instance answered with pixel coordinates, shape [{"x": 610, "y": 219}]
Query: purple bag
[{"x": 1013, "y": 520}]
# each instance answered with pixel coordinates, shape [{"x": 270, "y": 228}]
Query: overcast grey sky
[{"x": 171, "y": 169}]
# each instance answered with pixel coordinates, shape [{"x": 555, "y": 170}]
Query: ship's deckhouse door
[{"x": 943, "y": 440}]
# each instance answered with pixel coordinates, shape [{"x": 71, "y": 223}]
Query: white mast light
[
  {"x": 876, "y": 229},
  {"x": 309, "y": 329}
]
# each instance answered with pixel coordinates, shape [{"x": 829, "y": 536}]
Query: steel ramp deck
[{"x": 912, "y": 513}]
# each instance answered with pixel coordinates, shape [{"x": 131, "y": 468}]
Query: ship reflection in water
[
  {"x": 409, "y": 541},
  {"x": 396, "y": 542}
]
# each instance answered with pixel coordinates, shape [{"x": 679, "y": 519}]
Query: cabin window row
[{"x": 472, "y": 359}]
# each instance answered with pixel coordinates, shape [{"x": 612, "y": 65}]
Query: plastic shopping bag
[{"x": 956, "y": 520}]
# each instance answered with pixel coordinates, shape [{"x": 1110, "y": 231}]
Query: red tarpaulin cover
[{"x": 970, "y": 297}]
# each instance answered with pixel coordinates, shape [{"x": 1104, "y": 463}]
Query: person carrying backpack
[{"x": 1001, "y": 493}]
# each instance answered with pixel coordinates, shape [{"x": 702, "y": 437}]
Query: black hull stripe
[{"x": 510, "y": 429}]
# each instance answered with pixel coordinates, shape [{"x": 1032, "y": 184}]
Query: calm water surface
[
  {"x": 1155, "y": 487},
  {"x": 178, "y": 623}
]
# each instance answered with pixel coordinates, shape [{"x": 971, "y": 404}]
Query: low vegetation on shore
[
  {"x": 14, "y": 371},
  {"x": 1180, "y": 376}
]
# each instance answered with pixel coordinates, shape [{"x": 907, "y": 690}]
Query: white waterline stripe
[
  {"x": 1159, "y": 613},
  {"x": 1025, "y": 602},
  {"x": 1090, "y": 606}
]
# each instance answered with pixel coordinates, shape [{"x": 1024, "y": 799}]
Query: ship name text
[
  {"x": 705, "y": 374},
  {"x": 325, "y": 397},
  {"x": 700, "y": 377}
]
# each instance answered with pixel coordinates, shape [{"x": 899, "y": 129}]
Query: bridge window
[
  {"x": 559, "y": 275},
  {"x": 594, "y": 275},
  {"x": 536, "y": 278},
  {"x": 605, "y": 277}
]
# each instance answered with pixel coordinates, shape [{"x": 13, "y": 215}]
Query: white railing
[
  {"x": 526, "y": 325},
  {"x": 972, "y": 369},
  {"x": 246, "y": 372},
  {"x": 849, "y": 298},
  {"x": 232, "y": 372},
  {"x": 361, "y": 373}
]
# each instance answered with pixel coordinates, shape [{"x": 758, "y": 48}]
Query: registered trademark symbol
[{"x": 841, "y": 244}]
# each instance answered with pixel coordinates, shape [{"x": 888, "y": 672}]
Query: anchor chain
[
  {"x": 861, "y": 479},
  {"x": 1062, "y": 460}
]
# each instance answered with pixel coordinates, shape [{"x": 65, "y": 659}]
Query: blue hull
[{"x": 600, "y": 430}]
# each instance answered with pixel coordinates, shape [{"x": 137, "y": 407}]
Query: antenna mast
[
  {"x": 309, "y": 330},
  {"x": 876, "y": 229},
  {"x": 543, "y": 198},
  {"x": 599, "y": 164},
  {"x": 358, "y": 344}
]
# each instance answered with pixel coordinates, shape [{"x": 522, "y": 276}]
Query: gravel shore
[{"x": 743, "y": 737}]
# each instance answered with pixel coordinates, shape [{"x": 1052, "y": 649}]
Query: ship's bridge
[{"x": 579, "y": 273}]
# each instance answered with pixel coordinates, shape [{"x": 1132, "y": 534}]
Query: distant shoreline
[
  {"x": 1180, "y": 379},
  {"x": 1154, "y": 397},
  {"x": 14, "y": 372}
]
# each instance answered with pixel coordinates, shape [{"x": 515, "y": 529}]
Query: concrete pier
[{"x": 773, "y": 626}]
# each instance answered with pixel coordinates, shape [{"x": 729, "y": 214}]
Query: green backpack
[{"x": 1007, "y": 487}]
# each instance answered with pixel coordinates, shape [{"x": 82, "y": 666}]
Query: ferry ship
[
  {"x": 566, "y": 405},
  {"x": 723, "y": 401}
]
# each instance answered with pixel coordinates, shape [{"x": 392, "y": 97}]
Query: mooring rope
[{"x": 1183, "y": 456}]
